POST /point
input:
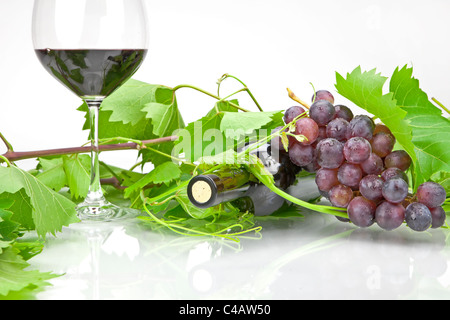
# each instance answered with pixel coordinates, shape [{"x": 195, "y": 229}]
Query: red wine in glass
[{"x": 92, "y": 47}]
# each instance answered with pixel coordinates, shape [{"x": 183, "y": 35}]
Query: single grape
[
  {"x": 326, "y": 179},
  {"x": 373, "y": 165},
  {"x": 343, "y": 112},
  {"x": 301, "y": 155},
  {"x": 393, "y": 173},
  {"x": 398, "y": 159},
  {"x": 340, "y": 196},
  {"x": 337, "y": 129},
  {"x": 292, "y": 113},
  {"x": 371, "y": 187},
  {"x": 382, "y": 144},
  {"x": 379, "y": 127},
  {"x": 431, "y": 194},
  {"x": 350, "y": 174},
  {"x": 329, "y": 153},
  {"x": 357, "y": 150},
  {"x": 438, "y": 217},
  {"x": 395, "y": 190},
  {"x": 361, "y": 126},
  {"x": 418, "y": 216},
  {"x": 389, "y": 216},
  {"x": 309, "y": 128},
  {"x": 361, "y": 212},
  {"x": 323, "y": 95},
  {"x": 322, "y": 112}
]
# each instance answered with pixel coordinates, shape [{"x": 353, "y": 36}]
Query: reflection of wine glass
[{"x": 92, "y": 47}]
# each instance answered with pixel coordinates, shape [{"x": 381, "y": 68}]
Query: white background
[{"x": 270, "y": 45}]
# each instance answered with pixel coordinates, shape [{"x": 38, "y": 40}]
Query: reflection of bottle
[{"x": 205, "y": 191}]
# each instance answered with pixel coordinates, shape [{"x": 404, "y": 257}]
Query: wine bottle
[{"x": 235, "y": 185}]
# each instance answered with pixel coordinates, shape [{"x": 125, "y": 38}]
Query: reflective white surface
[{"x": 317, "y": 257}]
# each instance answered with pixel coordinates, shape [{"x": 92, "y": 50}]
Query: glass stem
[{"x": 95, "y": 194}]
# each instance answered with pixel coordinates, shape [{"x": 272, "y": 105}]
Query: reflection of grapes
[{"x": 356, "y": 167}]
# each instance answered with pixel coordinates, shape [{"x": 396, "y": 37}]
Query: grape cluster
[{"x": 356, "y": 167}]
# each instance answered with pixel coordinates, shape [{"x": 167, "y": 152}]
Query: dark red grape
[
  {"x": 394, "y": 173},
  {"x": 418, "y": 216},
  {"x": 301, "y": 155},
  {"x": 382, "y": 144},
  {"x": 361, "y": 126},
  {"x": 340, "y": 196},
  {"x": 292, "y": 113},
  {"x": 357, "y": 150},
  {"x": 337, "y": 129},
  {"x": 371, "y": 187},
  {"x": 389, "y": 216},
  {"x": 329, "y": 153},
  {"x": 343, "y": 112},
  {"x": 431, "y": 194},
  {"x": 308, "y": 128},
  {"x": 395, "y": 190},
  {"x": 323, "y": 95},
  {"x": 326, "y": 179},
  {"x": 350, "y": 175},
  {"x": 322, "y": 112},
  {"x": 322, "y": 134},
  {"x": 373, "y": 165},
  {"x": 438, "y": 217},
  {"x": 361, "y": 212},
  {"x": 379, "y": 127},
  {"x": 398, "y": 159}
]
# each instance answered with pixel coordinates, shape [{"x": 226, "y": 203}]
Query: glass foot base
[{"x": 104, "y": 212}]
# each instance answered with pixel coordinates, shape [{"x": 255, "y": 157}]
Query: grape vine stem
[{"x": 22, "y": 155}]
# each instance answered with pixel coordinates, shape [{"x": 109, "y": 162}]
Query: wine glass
[{"x": 92, "y": 47}]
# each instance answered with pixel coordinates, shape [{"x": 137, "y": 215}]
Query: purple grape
[
  {"x": 292, "y": 113},
  {"x": 361, "y": 126},
  {"x": 382, "y": 144},
  {"x": 361, "y": 212},
  {"x": 322, "y": 134},
  {"x": 350, "y": 175},
  {"x": 357, "y": 150},
  {"x": 329, "y": 153},
  {"x": 301, "y": 155},
  {"x": 323, "y": 95},
  {"x": 373, "y": 165},
  {"x": 431, "y": 194},
  {"x": 438, "y": 217},
  {"x": 398, "y": 159},
  {"x": 371, "y": 187},
  {"x": 326, "y": 179},
  {"x": 395, "y": 190},
  {"x": 340, "y": 196},
  {"x": 379, "y": 127},
  {"x": 322, "y": 112},
  {"x": 308, "y": 128},
  {"x": 389, "y": 216},
  {"x": 337, "y": 129},
  {"x": 394, "y": 173},
  {"x": 418, "y": 216},
  {"x": 343, "y": 112}
]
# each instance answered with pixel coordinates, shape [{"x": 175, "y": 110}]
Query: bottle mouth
[{"x": 202, "y": 191}]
